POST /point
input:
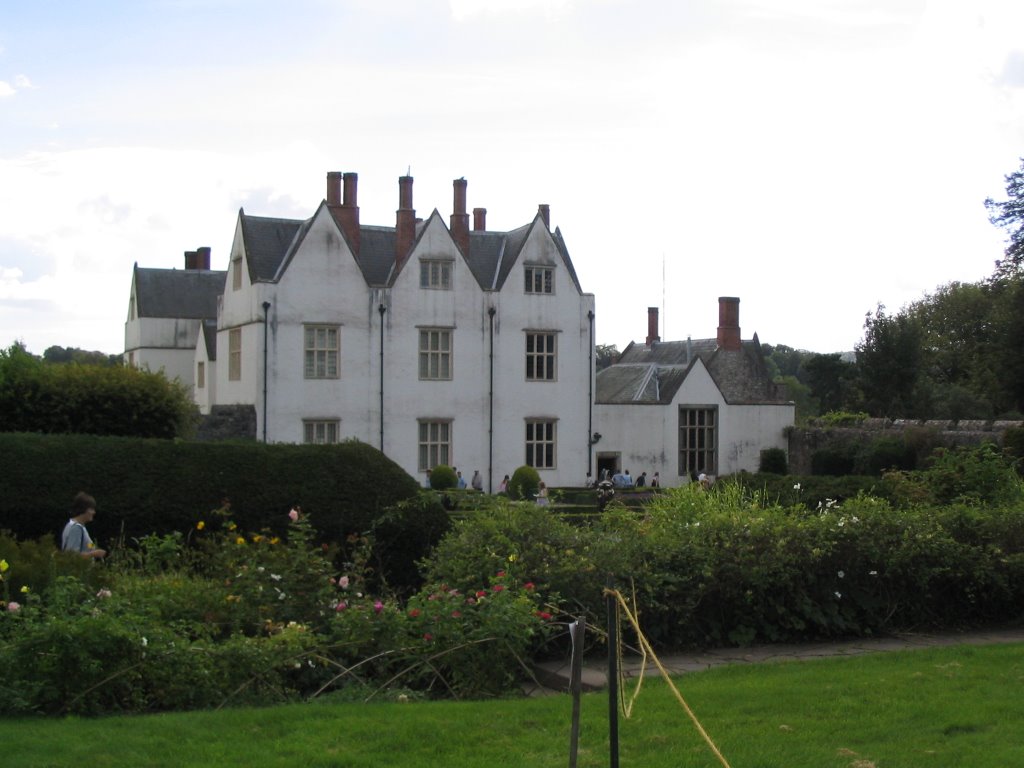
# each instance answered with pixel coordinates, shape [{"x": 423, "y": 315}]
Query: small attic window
[
  {"x": 236, "y": 273},
  {"x": 540, "y": 279},
  {"x": 436, "y": 274}
]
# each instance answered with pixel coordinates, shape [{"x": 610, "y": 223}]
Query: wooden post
[{"x": 613, "y": 676}]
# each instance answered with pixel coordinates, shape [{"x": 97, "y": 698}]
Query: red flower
[
  {"x": 501, "y": 574},
  {"x": 498, "y": 587},
  {"x": 456, "y": 614},
  {"x": 543, "y": 615},
  {"x": 528, "y": 586},
  {"x": 481, "y": 593},
  {"x": 414, "y": 612},
  {"x": 428, "y": 637}
]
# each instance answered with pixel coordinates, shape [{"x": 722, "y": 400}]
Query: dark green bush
[
  {"x": 886, "y": 453},
  {"x": 773, "y": 461},
  {"x": 443, "y": 478},
  {"x": 524, "y": 483},
  {"x": 833, "y": 460},
  {"x": 160, "y": 486},
  {"x": 90, "y": 399}
]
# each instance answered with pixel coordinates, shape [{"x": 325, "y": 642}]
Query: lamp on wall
[{"x": 595, "y": 438}]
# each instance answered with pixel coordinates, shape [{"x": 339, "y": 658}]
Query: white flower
[
  {"x": 872, "y": 573},
  {"x": 796, "y": 487},
  {"x": 841, "y": 575},
  {"x": 145, "y": 642},
  {"x": 275, "y": 576},
  {"x": 839, "y": 594}
]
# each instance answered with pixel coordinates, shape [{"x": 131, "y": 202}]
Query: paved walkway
[{"x": 554, "y": 675}]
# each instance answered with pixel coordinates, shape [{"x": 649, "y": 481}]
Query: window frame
[
  {"x": 201, "y": 374},
  {"x": 433, "y": 449},
  {"x": 544, "y": 360},
  {"x": 428, "y": 354},
  {"x": 543, "y": 446},
  {"x": 236, "y": 273},
  {"x": 437, "y": 274},
  {"x": 235, "y": 354},
  {"x": 698, "y": 440},
  {"x": 317, "y": 358},
  {"x": 538, "y": 280},
  {"x": 310, "y": 428}
]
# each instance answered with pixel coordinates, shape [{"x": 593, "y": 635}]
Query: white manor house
[{"x": 443, "y": 344}]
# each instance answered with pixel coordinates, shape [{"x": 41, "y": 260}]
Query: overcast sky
[{"x": 815, "y": 158}]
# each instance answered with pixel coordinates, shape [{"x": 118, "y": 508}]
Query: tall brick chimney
[
  {"x": 405, "y": 222},
  {"x": 728, "y": 323},
  {"x": 545, "y": 213},
  {"x": 345, "y": 209},
  {"x": 460, "y": 219},
  {"x": 479, "y": 219},
  {"x": 652, "y": 326}
]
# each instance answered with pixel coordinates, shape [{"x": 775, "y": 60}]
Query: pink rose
[
  {"x": 378, "y": 606},
  {"x": 293, "y": 515},
  {"x": 13, "y": 606},
  {"x": 340, "y": 606},
  {"x": 343, "y": 582}
]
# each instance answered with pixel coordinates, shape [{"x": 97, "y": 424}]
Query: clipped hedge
[{"x": 160, "y": 486}]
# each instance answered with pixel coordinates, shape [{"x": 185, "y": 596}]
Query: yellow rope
[{"x": 645, "y": 647}]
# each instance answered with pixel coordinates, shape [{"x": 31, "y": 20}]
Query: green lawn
[{"x": 957, "y": 707}]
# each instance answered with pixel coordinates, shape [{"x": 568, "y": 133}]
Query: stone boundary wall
[{"x": 805, "y": 441}]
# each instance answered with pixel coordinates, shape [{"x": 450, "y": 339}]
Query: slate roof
[
  {"x": 210, "y": 337},
  {"x": 652, "y": 375},
  {"x": 270, "y": 243},
  {"x": 185, "y": 293}
]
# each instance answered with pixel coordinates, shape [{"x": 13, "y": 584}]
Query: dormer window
[
  {"x": 540, "y": 280},
  {"x": 436, "y": 274}
]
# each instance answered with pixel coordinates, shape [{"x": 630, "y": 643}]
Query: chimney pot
[
  {"x": 405, "y": 221},
  {"x": 190, "y": 260},
  {"x": 333, "y": 188},
  {"x": 479, "y": 219},
  {"x": 729, "y": 323},
  {"x": 652, "y": 326},
  {"x": 545, "y": 213},
  {"x": 460, "y": 219},
  {"x": 351, "y": 183},
  {"x": 203, "y": 258}
]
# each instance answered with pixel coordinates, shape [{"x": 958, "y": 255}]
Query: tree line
[{"x": 957, "y": 353}]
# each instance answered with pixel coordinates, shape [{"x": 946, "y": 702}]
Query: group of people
[{"x": 622, "y": 479}]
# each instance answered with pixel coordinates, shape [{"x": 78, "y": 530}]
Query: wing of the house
[
  {"x": 166, "y": 309},
  {"x": 683, "y": 408}
]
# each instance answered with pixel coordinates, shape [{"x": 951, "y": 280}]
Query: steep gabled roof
[
  {"x": 271, "y": 242},
  {"x": 267, "y": 242},
  {"x": 210, "y": 338},
  {"x": 653, "y": 374},
  {"x": 184, "y": 293}
]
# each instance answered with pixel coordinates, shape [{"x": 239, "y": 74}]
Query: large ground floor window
[{"x": 698, "y": 441}]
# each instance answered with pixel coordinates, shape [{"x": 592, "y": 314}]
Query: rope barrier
[{"x": 645, "y": 648}]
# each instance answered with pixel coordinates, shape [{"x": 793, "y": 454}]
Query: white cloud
[{"x": 6, "y": 89}]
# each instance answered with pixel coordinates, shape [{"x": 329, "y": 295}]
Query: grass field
[{"x": 960, "y": 707}]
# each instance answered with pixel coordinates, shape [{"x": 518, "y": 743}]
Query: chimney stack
[
  {"x": 460, "y": 219},
  {"x": 345, "y": 209},
  {"x": 405, "y": 221},
  {"x": 545, "y": 213},
  {"x": 652, "y": 326},
  {"x": 728, "y": 323},
  {"x": 198, "y": 259},
  {"x": 479, "y": 219}
]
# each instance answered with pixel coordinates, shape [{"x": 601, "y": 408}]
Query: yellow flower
[
  {"x": 240, "y": 540},
  {"x": 232, "y": 526},
  {"x": 25, "y": 590},
  {"x": 200, "y": 525},
  {"x": 512, "y": 558},
  {"x": 275, "y": 540},
  {"x": 3, "y": 566},
  {"x": 257, "y": 539}
]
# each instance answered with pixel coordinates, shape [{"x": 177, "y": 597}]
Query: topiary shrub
[
  {"x": 773, "y": 461},
  {"x": 442, "y": 477},
  {"x": 524, "y": 483}
]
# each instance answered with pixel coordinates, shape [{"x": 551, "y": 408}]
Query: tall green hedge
[
  {"x": 89, "y": 399},
  {"x": 146, "y": 486}
]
